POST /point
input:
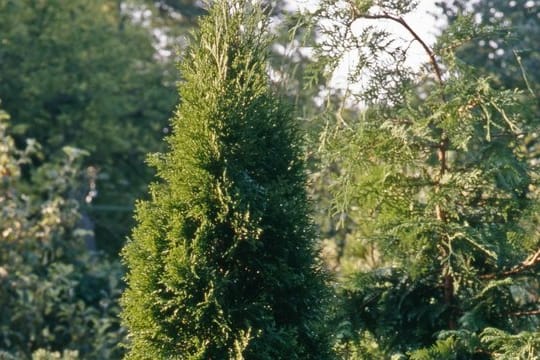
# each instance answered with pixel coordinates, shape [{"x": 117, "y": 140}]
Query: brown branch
[
  {"x": 449, "y": 300},
  {"x": 526, "y": 313},
  {"x": 441, "y": 156},
  {"x": 532, "y": 259},
  {"x": 530, "y": 262},
  {"x": 415, "y": 35}
]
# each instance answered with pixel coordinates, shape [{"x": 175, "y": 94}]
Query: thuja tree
[
  {"x": 222, "y": 263},
  {"x": 507, "y": 54},
  {"x": 434, "y": 175}
]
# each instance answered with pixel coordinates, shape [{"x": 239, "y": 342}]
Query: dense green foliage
[
  {"x": 435, "y": 180},
  {"x": 424, "y": 181},
  {"x": 222, "y": 264},
  {"x": 54, "y": 295}
]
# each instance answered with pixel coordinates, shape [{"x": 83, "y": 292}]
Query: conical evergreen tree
[{"x": 222, "y": 263}]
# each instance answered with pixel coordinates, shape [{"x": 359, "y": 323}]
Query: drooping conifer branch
[
  {"x": 400, "y": 20},
  {"x": 528, "y": 264},
  {"x": 442, "y": 148}
]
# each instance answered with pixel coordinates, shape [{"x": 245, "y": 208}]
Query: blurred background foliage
[
  {"x": 54, "y": 293},
  {"x": 94, "y": 75}
]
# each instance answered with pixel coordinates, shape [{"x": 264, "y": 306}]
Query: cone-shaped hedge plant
[{"x": 222, "y": 263}]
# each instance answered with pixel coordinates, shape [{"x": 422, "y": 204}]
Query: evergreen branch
[
  {"x": 523, "y": 73},
  {"x": 513, "y": 127},
  {"x": 442, "y": 147},
  {"x": 402, "y": 22},
  {"x": 529, "y": 263}
]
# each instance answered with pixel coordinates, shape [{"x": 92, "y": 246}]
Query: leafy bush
[{"x": 54, "y": 293}]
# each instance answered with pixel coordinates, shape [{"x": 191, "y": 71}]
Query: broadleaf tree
[
  {"x": 56, "y": 297},
  {"x": 85, "y": 74},
  {"x": 223, "y": 263},
  {"x": 434, "y": 174}
]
